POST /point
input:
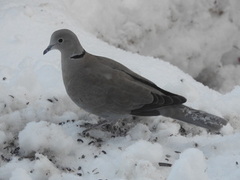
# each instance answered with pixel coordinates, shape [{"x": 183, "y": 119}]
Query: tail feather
[
  {"x": 186, "y": 114},
  {"x": 193, "y": 116}
]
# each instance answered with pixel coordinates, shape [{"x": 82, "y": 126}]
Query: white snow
[
  {"x": 40, "y": 127},
  {"x": 20, "y": 174}
]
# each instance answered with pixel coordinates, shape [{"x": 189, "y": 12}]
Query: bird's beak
[{"x": 49, "y": 48}]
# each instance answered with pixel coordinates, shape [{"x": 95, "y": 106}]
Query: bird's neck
[{"x": 71, "y": 63}]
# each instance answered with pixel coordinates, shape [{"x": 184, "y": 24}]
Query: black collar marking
[{"x": 79, "y": 55}]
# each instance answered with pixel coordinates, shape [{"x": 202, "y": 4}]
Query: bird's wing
[{"x": 159, "y": 97}]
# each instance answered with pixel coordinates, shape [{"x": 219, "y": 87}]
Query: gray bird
[{"x": 110, "y": 90}]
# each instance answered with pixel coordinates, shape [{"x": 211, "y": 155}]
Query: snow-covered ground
[{"x": 40, "y": 128}]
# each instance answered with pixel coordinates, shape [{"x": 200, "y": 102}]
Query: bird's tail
[{"x": 193, "y": 116}]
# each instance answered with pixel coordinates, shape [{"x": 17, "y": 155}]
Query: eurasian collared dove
[{"x": 110, "y": 90}]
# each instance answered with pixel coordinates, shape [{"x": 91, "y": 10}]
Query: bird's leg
[
  {"x": 109, "y": 125},
  {"x": 96, "y": 126}
]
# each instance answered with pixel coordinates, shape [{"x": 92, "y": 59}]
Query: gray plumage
[{"x": 110, "y": 90}]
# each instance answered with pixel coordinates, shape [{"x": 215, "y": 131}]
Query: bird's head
[{"x": 65, "y": 41}]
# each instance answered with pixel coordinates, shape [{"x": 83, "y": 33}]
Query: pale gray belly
[{"x": 96, "y": 99}]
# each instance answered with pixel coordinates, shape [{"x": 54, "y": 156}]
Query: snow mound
[
  {"x": 191, "y": 165},
  {"x": 42, "y": 136}
]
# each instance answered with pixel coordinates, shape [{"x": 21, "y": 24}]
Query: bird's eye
[{"x": 60, "y": 40}]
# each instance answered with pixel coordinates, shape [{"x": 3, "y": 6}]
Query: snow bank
[{"x": 197, "y": 36}]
